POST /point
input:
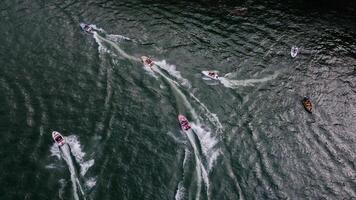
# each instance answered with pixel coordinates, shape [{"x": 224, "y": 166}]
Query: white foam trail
[
  {"x": 186, "y": 156},
  {"x": 180, "y": 93},
  {"x": 73, "y": 147},
  {"x": 198, "y": 163},
  {"x": 73, "y": 177},
  {"x": 112, "y": 37},
  {"x": 55, "y": 152},
  {"x": 209, "y": 81},
  {"x": 121, "y": 52},
  {"x": 211, "y": 116},
  {"x": 90, "y": 183},
  {"x": 233, "y": 177},
  {"x": 51, "y": 166},
  {"x": 200, "y": 169},
  {"x": 178, "y": 140},
  {"x": 208, "y": 143},
  {"x": 150, "y": 71},
  {"x": 181, "y": 189},
  {"x": 63, "y": 183},
  {"x": 171, "y": 69},
  {"x": 101, "y": 47},
  {"x": 78, "y": 154},
  {"x": 180, "y": 192},
  {"x": 247, "y": 82},
  {"x": 97, "y": 28},
  {"x": 211, "y": 151},
  {"x": 116, "y": 38}
]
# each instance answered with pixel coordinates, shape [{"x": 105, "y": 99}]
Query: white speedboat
[
  {"x": 58, "y": 138},
  {"x": 87, "y": 28},
  {"x": 211, "y": 74},
  {"x": 294, "y": 51}
]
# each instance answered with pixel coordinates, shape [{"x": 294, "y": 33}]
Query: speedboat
[
  {"x": 211, "y": 74},
  {"x": 183, "y": 122},
  {"x": 86, "y": 28},
  {"x": 147, "y": 61},
  {"x": 294, "y": 51},
  {"x": 307, "y": 104},
  {"x": 58, "y": 138}
]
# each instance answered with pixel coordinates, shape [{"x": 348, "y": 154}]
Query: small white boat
[
  {"x": 58, "y": 138},
  {"x": 87, "y": 28},
  {"x": 211, "y": 74},
  {"x": 294, "y": 51},
  {"x": 147, "y": 61}
]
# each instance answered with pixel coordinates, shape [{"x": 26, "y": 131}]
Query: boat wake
[
  {"x": 171, "y": 70},
  {"x": 72, "y": 148},
  {"x": 205, "y": 151},
  {"x": 99, "y": 39},
  {"x": 208, "y": 143},
  {"x": 63, "y": 183},
  {"x": 247, "y": 82},
  {"x": 96, "y": 28},
  {"x": 180, "y": 194},
  {"x": 199, "y": 167},
  {"x": 210, "y": 151},
  {"x": 113, "y": 37}
]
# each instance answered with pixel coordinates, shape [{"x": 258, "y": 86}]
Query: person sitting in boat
[
  {"x": 307, "y": 104},
  {"x": 184, "y": 123},
  {"x": 307, "y": 99},
  {"x": 88, "y": 28},
  {"x": 149, "y": 61},
  {"x": 59, "y": 139},
  {"x": 211, "y": 73}
]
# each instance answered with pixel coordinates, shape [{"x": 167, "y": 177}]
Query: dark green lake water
[{"x": 250, "y": 136}]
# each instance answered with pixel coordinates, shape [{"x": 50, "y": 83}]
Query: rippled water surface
[{"x": 250, "y": 138}]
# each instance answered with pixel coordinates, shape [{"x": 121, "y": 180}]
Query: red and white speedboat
[
  {"x": 211, "y": 74},
  {"x": 58, "y": 138},
  {"x": 147, "y": 61},
  {"x": 183, "y": 122}
]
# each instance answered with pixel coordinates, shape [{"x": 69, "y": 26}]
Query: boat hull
[
  {"x": 58, "y": 138},
  {"x": 183, "y": 121},
  {"x": 214, "y": 77}
]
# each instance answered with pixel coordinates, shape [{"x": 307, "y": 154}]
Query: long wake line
[
  {"x": 122, "y": 52},
  {"x": 73, "y": 175},
  {"x": 200, "y": 169}
]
